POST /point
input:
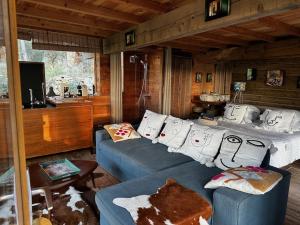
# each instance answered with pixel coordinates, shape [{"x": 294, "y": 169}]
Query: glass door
[{"x": 13, "y": 179}]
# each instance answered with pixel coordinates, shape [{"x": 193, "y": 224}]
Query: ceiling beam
[
  {"x": 189, "y": 20},
  {"x": 187, "y": 47},
  {"x": 200, "y": 43},
  {"x": 56, "y": 16},
  {"x": 88, "y": 9},
  {"x": 277, "y": 25},
  {"x": 223, "y": 39},
  {"x": 27, "y": 22},
  {"x": 149, "y": 5},
  {"x": 249, "y": 33}
]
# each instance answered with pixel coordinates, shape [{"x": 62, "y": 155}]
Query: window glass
[{"x": 72, "y": 68}]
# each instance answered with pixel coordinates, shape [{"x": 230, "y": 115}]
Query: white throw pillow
[
  {"x": 240, "y": 114},
  {"x": 279, "y": 120},
  {"x": 296, "y": 122},
  {"x": 202, "y": 144},
  {"x": 175, "y": 132},
  {"x": 151, "y": 124},
  {"x": 239, "y": 150}
]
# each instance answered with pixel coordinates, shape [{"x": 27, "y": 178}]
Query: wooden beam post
[{"x": 189, "y": 20}]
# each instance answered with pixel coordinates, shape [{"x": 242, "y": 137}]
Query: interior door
[
  {"x": 13, "y": 185},
  {"x": 181, "y": 86}
]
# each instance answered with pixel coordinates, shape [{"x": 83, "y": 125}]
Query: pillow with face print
[
  {"x": 151, "y": 124},
  {"x": 239, "y": 150},
  {"x": 202, "y": 143},
  {"x": 240, "y": 114},
  {"x": 278, "y": 120},
  {"x": 175, "y": 132}
]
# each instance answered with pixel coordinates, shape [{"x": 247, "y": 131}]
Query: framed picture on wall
[
  {"x": 130, "y": 38},
  {"x": 251, "y": 74},
  {"x": 275, "y": 78},
  {"x": 198, "y": 77},
  {"x": 216, "y": 8},
  {"x": 209, "y": 77}
]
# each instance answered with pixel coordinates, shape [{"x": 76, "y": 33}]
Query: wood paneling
[
  {"x": 5, "y": 140},
  {"x": 204, "y": 69},
  {"x": 181, "y": 86},
  {"x": 101, "y": 110},
  {"x": 54, "y": 130}
]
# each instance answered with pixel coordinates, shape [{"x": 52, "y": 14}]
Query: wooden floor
[{"x": 293, "y": 210}]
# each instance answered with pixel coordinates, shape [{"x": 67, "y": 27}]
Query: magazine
[{"x": 59, "y": 169}]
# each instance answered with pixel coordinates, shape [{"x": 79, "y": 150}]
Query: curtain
[
  {"x": 48, "y": 40},
  {"x": 223, "y": 78},
  {"x": 116, "y": 86},
  {"x": 167, "y": 88}
]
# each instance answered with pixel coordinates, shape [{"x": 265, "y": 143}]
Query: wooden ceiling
[
  {"x": 267, "y": 29},
  {"x": 99, "y": 18}
]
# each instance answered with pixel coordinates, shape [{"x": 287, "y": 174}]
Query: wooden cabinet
[{"x": 58, "y": 129}]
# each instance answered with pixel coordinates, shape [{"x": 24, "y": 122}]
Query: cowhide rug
[
  {"x": 69, "y": 208},
  {"x": 172, "y": 204}
]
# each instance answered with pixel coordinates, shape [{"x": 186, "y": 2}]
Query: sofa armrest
[
  {"x": 237, "y": 208},
  {"x": 102, "y": 135}
]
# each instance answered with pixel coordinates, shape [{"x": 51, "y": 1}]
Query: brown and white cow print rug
[{"x": 172, "y": 204}]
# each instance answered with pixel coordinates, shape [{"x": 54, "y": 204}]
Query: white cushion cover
[
  {"x": 202, "y": 143},
  {"x": 241, "y": 150},
  {"x": 278, "y": 120},
  {"x": 240, "y": 114},
  {"x": 151, "y": 124},
  {"x": 175, "y": 132}
]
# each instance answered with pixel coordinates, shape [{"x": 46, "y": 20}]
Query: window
[
  {"x": 74, "y": 67},
  {"x": 3, "y": 73}
]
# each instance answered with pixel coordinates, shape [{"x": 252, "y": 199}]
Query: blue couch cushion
[
  {"x": 136, "y": 158},
  {"x": 191, "y": 175}
]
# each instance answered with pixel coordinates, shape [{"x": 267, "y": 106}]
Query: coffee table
[{"x": 39, "y": 179}]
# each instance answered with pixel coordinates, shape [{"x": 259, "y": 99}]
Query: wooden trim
[
  {"x": 148, "y": 5},
  {"x": 53, "y": 15},
  {"x": 27, "y": 22},
  {"x": 189, "y": 20},
  {"x": 88, "y": 9},
  {"x": 97, "y": 73},
  {"x": 18, "y": 144}
]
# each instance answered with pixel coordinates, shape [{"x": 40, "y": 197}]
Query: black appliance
[{"x": 33, "y": 84}]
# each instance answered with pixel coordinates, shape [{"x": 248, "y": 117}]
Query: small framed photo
[
  {"x": 198, "y": 77},
  {"x": 275, "y": 78},
  {"x": 216, "y": 8},
  {"x": 251, "y": 74},
  {"x": 209, "y": 77},
  {"x": 298, "y": 82},
  {"x": 130, "y": 38}
]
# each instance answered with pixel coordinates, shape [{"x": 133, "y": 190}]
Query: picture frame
[
  {"x": 130, "y": 38},
  {"x": 215, "y": 9},
  {"x": 251, "y": 74},
  {"x": 298, "y": 82},
  {"x": 198, "y": 77},
  {"x": 209, "y": 77},
  {"x": 275, "y": 78}
]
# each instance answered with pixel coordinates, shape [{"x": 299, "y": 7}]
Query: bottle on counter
[
  {"x": 79, "y": 90},
  {"x": 84, "y": 89}
]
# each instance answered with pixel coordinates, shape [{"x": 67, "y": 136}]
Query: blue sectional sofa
[{"x": 143, "y": 167}]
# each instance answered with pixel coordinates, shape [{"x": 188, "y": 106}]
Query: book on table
[{"x": 59, "y": 169}]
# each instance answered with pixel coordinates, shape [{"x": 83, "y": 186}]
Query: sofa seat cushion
[
  {"x": 135, "y": 158},
  {"x": 192, "y": 175}
]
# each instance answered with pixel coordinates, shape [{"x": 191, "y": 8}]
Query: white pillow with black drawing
[
  {"x": 202, "y": 144},
  {"x": 174, "y": 133},
  {"x": 278, "y": 120},
  {"x": 240, "y": 114},
  {"x": 239, "y": 150},
  {"x": 151, "y": 124}
]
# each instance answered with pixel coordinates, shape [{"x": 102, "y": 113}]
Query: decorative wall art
[
  {"x": 209, "y": 77},
  {"x": 275, "y": 78},
  {"x": 130, "y": 38},
  {"x": 198, "y": 77},
  {"x": 251, "y": 74},
  {"x": 216, "y": 8}
]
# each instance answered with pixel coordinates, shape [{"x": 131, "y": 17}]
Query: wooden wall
[
  {"x": 204, "y": 69},
  {"x": 133, "y": 80}
]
